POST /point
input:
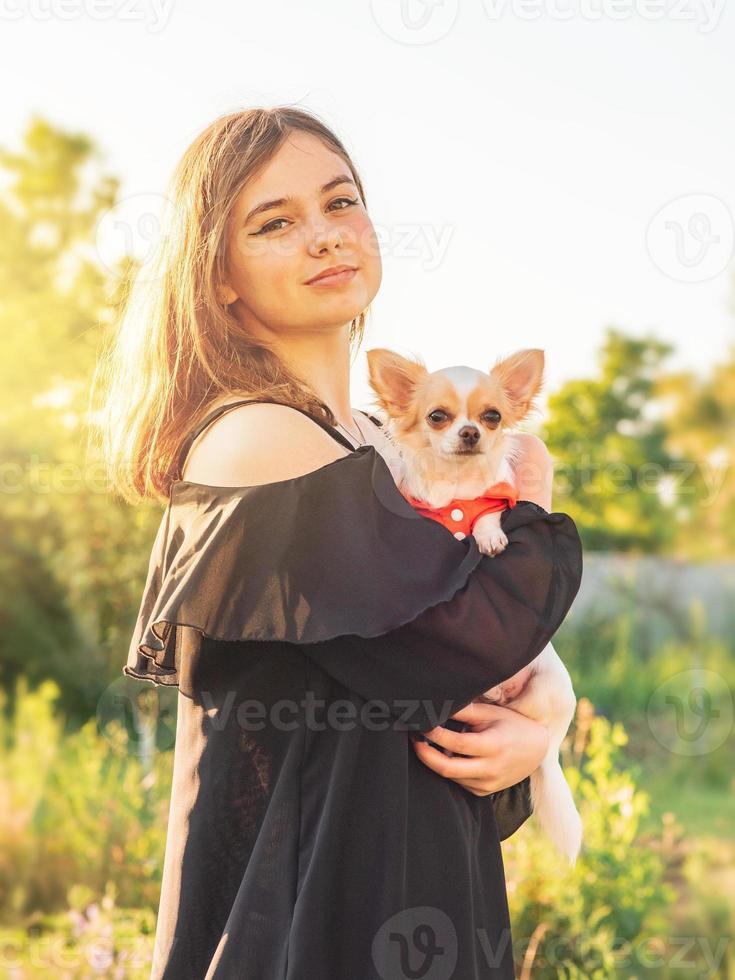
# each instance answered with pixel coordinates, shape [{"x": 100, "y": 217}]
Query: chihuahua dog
[{"x": 453, "y": 429}]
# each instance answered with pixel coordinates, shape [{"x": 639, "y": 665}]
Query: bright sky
[{"x": 537, "y": 169}]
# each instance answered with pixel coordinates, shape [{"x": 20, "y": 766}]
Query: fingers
[
  {"x": 454, "y": 741},
  {"x": 452, "y": 767},
  {"x": 477, "y": 713}
]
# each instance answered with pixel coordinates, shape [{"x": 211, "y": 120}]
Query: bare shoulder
[{"x": 257, "y": 444}]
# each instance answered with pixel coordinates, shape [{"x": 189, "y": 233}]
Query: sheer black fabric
[{"x": 309, "y": 624}]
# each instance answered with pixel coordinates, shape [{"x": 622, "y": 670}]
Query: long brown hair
[{"x": 176, "y": 350}]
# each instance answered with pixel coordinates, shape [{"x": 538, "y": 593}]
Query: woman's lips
[{"x": 338, "y": 279}]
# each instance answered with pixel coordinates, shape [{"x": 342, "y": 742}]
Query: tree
[
  {"x": 73, "y": 556},
  {"x": 702, "y": 432},
  {"x": 608, "y": 437}
]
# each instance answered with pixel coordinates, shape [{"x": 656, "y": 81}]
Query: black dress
[{"x": 309, "y": 625}]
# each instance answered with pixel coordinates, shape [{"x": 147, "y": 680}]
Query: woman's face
[{"x": 272, "y": 254}]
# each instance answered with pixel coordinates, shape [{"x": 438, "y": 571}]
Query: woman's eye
[
  {"x": 348, "y": 199},
  {"x": 270, "y": 226}
]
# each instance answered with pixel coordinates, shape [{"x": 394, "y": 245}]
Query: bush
[
  {"x": 581, "y": 922},
  {"x": 90, "y": 939},
  {"x": 78, "y": 808}
]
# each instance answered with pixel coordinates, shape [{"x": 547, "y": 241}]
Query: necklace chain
[{"x": 360, "y": 438}]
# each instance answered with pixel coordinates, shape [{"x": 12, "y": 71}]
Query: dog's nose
[{"x": 469, "y": 434}]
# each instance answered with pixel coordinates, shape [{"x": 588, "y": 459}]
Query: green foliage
[
  {"x": 54, "y": 290},
  {"x": 77, "y": 808},
  {"x": 91, "y": 938},
  {"x": 643, "y": 457},
  {"x": 627, "y": 670},
  {"x": 606, "y": 444},
  {"x": 702, "y": 429},
  {"x": 576, "y": 922},
  {"x": 73, "y": 560}
]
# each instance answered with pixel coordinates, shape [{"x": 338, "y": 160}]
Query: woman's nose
[{"x": 321, "y": 236}]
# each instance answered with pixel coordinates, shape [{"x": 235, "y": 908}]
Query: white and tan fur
[{"x": 454, "y": 431}]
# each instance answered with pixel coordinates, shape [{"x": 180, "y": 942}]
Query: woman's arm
[{"x": 534, "y": 471}]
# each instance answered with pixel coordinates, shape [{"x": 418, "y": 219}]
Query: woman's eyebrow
[{"x": 279, "y": 202}]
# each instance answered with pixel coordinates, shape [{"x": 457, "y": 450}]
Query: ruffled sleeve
[
  {"x": 385, "y": 600},
  {"x": 512, "y": 807}
]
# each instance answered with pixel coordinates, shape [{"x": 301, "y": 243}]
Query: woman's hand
[{"x": 503, "y": 747}]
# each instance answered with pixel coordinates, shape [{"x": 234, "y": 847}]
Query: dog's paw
[{"x": 490, "y": 540}]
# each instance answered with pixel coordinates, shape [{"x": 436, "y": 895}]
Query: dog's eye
[
  {"x": 437, "y": 416},
  {"x": 492, "y": 418}
]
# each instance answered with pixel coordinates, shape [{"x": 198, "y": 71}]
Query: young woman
[{"x": 311, "y": 620}]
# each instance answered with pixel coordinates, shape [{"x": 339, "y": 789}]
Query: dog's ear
[
  {"x": 522, "y": 378},
  {"x": 394, "y": 379}
]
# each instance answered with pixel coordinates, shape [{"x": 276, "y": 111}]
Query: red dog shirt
[{"x": 459, "y": 515}]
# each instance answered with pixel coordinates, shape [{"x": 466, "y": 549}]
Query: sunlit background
[{"x": 556, "y": 174}]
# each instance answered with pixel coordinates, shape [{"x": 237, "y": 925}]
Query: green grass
[{"x": 703, "y": 811}]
